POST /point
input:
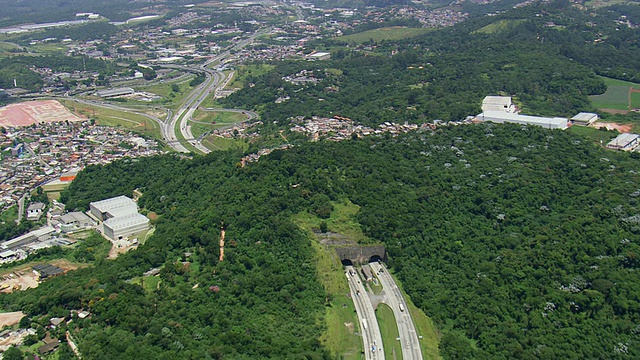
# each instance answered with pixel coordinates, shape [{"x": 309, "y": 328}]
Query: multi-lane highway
[
  {"x": 406, "y": 328},
  {"x": 366, "y": 314}
]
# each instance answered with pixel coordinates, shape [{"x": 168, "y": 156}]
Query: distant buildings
[
  {"x": 109, "y": 93},
  {"x": 319, "y": 56}
]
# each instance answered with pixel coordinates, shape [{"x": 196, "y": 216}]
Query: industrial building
[
  {"x": 109, "y": 93},
  {"x": 584, "y": 118},
  {"x": 35, "y": 211},
  {"x": 625, "y": 142},
  {"x": 498, "y": 103},
  {"x": 319, "y": 56},
  {"x": 505, "y": 117},
  {"x": 75, "y": 221},
  {"x": 113, "y": 207},
  {"x": 31, "y": 237},
  {"x": 124, "y": 226},
  {"x": 120, "y": 217}
]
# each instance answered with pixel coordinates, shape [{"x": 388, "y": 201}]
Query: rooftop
[{"x": 126, "y": 221}]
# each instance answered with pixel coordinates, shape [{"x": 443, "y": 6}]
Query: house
[{"x": 35, "y": 210}]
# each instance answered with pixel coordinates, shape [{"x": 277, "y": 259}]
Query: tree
[
  {"x": 13, "y": 353},
  {"x": 324, "y": 227}
]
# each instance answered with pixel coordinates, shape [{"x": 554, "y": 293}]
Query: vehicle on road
[{"x": 401, "y": 307}]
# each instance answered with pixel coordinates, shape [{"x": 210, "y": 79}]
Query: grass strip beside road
[{"x": 389, "y": 330}]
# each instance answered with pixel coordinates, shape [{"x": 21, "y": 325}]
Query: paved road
[
  {"x": 393, "y": 297},
  {"x": 21, "y": 208},
  {"x": 371, "y": 336}
]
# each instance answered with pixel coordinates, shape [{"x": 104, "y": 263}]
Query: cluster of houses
[{"x": 52, "y": 153}]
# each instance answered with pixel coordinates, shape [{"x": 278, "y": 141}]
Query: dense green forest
[
  {"x": 90, "y": 31},
  {"x": 518, "y": 241}
]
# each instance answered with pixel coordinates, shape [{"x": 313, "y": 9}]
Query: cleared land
[
  {"x": 620, "y": 95},
  {"x": 214, "y": 142},
  {"x": 116, "y": 118},
  {"x": 35, "y": 112},
  {"x": 592, "y": 133},
  {"x": 499, "y": 26},
  {"x": 10, "y": 318},
  {"x": 389, "y": 33}
]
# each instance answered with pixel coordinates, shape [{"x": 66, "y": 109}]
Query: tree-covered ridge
[
  {"x": 520, "y": 242},
  {"x": 269, "y": 303}
]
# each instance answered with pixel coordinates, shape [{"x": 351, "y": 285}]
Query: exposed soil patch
[{"x": 622, "y": 128}]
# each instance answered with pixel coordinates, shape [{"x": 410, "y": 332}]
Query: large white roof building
[
  {"x": 113, "y": 207},
  {"x": 505, "y": 117},
  {"x": 125, "y": 226}
]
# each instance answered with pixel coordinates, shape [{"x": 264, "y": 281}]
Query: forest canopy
[{"x": 519, "y": 242}]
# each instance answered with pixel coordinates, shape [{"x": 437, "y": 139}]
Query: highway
[
  {"x": 406, "y": 328},
  {"x": 371, "y": 336}
]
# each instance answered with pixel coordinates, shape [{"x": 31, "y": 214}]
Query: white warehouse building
[
  {"x": 505, "y": 117},
  {"x": 120, "y": 217},
  {"x": 124, "y": 226},
  {"x": 113, "y": 207}
]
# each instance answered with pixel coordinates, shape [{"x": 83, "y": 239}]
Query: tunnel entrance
[
  {"x": 361, "y": 254},
  {"x": 347, "y": 262},
  {"x": 376, "y": 258}
]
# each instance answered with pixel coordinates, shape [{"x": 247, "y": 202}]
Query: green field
[
  {"x": 218, "y": 117},
  {"x": 594, "y": 134},
  {"x": 499, "y": 26},
  {"x": 169, "y": 97},
  {"x": 617, "y": 95},
  {"x": 635, "y": 99},
  {"x": 244, "y": 71},
  {"x": 116, "y": 118},
  {"x": 218, "y": 143},
  {"x": 389, "y": 332},
  {"x": 603, "y": 3},
  {"x": 378, "y": 35}
]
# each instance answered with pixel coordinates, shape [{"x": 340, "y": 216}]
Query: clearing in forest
[
  {"x": 388, "y": 33},
  {"x": 620, "y": 97}
]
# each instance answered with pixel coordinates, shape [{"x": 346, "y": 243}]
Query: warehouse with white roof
[
  {"x": 113, "y": 207},
  {"x": 505, "y": 117},
  {"x": 125, "y": 226},
  {"x": 120, "y": 217}
]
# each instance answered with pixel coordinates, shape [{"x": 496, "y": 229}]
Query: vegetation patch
[
  {"x": 499, "y": 26},
  {"x": 389, "y": 331},
  {"x": 116, "y": 118},
  {"x": 618, "y": 95},
  {"x": 381, "y": 34}
]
